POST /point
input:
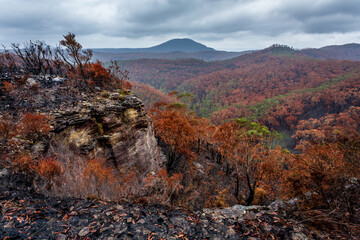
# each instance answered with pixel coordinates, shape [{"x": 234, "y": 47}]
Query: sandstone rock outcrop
[{"x": 115, "y": 128}]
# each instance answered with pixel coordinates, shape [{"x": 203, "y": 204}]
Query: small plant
[
  {"x": 161, "y": 187},
  {"x": 8, "y": 128},
  {"x": 100, "y": 128},
  {"x": 23, "y": 162},
  {"x": 97, "y": 173},
  {"x": 121, "y": 76},
  {"x": 34, "y": 125},
  {"x": 48, "y": 168},
  {"x": 22, "y": 81},
  {"x": 105, "y": 94},
  {"x": 220, "y": 200},
  {"x": 123, "y": 92},
  {"x": 8, "y": 87}
]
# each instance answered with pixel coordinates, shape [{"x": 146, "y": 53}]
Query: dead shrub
[
  {"x": 97, "y": 174},
  {"x": 23, "y": 162},
  {"x": 321, "y": 178},
  {"x": 160, "y": 188}
]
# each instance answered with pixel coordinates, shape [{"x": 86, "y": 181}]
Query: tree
[
  {"x": 246, "y": 146},
  {"x": 38, "y": 58},
  {"x": 73, "y": 55},
  {"x": 7, "y": 61},
  {"x": 173, "y": 126}
]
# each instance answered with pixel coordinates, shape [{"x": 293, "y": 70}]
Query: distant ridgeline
[{"x": 172, "y": 49}]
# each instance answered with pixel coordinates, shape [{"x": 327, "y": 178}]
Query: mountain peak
[{"x": 181, "y": 44}]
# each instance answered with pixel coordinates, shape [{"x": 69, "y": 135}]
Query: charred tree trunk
[{"x": 251, "y": 196}]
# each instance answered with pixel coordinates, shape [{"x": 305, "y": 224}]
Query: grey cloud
[
  {"x": 332, "y": 23},
  {"x": 21, "y": 20}
]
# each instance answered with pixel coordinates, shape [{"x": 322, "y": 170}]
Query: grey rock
[
  {"x": 119, "y": 207},
  {"x": 58, "y": 79},
  {"x": 9, "y": 224},
  {"x": 83, "y": 232},
  {"x": 60, "y": 237},
  {"x": 230, "y": 232},
  {"x": 293, "y": 201},
  {"x": 298, "y": 236},
  {"x": 268, "y": 228},
  {"x": 117, "y": 130},
  {"x": 104, "y": 229},
  {"x": 115, "y": 96},
  {"x": 177, "y": 220},
  {"x": 298, "y": 228},
  {"x": 4, "y": 172},
  {"x": 276, "y": 205},
  {"x": 121, "y": 230},
  {"x": 31, "y": 82}
]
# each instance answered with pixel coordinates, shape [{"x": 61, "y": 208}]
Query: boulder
[{"x": 117, "y": 130}]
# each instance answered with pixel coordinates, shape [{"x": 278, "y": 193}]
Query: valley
[{"x": 249, "y": 146}]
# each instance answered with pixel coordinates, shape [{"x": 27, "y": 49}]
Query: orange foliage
[
  {"x": 321, "y": 177},
  {"x": 333, "y": 100},
  {"x": 173, "y": 126},
  {"x": 243, "y": 80},
  {"x": 321, "y": 170},
  {"x": 34, "y": 124},
  {"x": 97, "y": 74},
  {"x": 24, "y": 162},
  {"x": 247, "y": 147},
  {"x": 150, "y": 95},
  {"x": 8, "y": 86},
  {"x": 331, "y": 128},
  {"x": 48, "y": 168},
  {"x": 128, "y": 85},
  {"x": 96, "y": 169}
]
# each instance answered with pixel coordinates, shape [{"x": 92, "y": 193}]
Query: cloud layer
[{"x": 225, "y": 24}]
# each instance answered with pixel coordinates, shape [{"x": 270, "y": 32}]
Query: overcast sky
[{"x": 232, "y": 25}]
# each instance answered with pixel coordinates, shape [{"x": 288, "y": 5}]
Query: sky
[{"x": 230, "y": 25}]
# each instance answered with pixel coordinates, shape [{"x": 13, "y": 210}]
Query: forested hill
[
  {"x": 349, "y": 51},
  {"x": 277, "y": 86}
]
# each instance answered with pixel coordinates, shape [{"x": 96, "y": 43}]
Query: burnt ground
[{"x": 25, "y": 214}]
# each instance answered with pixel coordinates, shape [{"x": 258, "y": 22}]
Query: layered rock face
[{"x": 114, "y": 128}]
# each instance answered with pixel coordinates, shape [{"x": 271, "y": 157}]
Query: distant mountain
[
  {"x": 349, "y": 51},
  {"x": 174, "y": 45},
  {"x": 186, "y": 48},
  {"x": 172, "y": 49},
  {"x": 203, "y": 55},
  {"x": 183, "y": 45}
]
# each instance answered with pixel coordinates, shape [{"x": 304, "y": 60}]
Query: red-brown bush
[
  {"x": 48, "y": 168},
  {"x": 34, "y": 125},
  {"x": 8, "y": 87}
]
